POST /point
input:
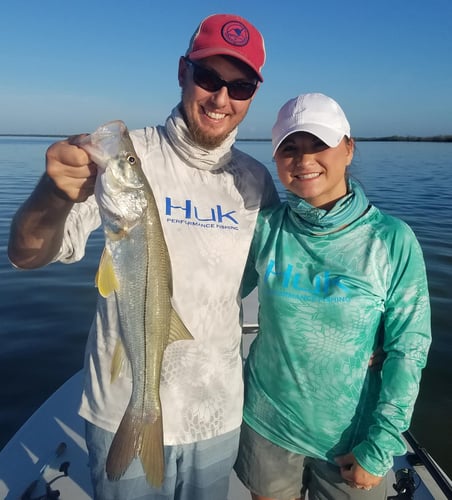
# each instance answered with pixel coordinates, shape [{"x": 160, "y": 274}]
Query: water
[{"x": 45, "y": 314}]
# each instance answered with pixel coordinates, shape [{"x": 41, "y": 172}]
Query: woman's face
[{"x": 312, "y": 170}]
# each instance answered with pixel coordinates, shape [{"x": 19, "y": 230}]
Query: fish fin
[
  {"x": 178, "y": 331},
  {"x": 106, "y": 280},
  {"x": 137, "y": 437},
  {"x": 117, "y": 361},
  {"x": 124, "y": 447},
  {"x": 152, "y": 454}
]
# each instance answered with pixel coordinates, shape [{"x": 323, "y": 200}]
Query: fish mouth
[{"x": 104, "y": 142}]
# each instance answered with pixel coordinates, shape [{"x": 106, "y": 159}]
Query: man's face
[{"x": 211, "y": 116}]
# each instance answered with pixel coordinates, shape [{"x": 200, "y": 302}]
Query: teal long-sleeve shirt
[{"x": 325, "y": 303}]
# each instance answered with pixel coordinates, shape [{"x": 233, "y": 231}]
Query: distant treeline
[
  {"x": 391, "y": 138},
  {"x": 409, "y": 138},
  {"x": 34, "y": 135}
]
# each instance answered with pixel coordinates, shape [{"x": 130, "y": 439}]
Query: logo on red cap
[{"x": 235, "y": 33}]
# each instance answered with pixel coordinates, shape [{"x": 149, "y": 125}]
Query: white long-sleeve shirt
[{"x": 208, "y": 216}]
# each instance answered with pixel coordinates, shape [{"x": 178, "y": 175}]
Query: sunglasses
[{"x": 210, "y": 81}]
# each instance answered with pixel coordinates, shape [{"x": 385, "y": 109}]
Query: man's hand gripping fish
[{"x": 135, "y": 265}]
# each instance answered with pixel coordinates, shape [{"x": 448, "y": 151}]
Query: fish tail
[
  {"x": 134, "y": 438},
  {"x": 151, "y": 454},
  {"x": 124, "y": 447}
]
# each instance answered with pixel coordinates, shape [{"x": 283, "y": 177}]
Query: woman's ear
[{"x": 350, "y": 143}]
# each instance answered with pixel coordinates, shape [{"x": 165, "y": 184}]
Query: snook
[{"x": 135, "y": 266}]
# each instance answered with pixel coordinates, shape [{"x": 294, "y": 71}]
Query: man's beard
[
  {"x": 204, "y": 140},
  {"x": 199, "y": 137}
]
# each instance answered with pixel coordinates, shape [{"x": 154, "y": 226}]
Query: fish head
[
  {"x": 119, "y": 185},
  {"x": 111, "y": 148}
]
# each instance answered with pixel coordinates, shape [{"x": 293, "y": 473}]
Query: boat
[{"x": 47, "y": 457}]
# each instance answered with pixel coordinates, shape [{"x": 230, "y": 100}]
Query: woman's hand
[{"x": 354, "y": 474}]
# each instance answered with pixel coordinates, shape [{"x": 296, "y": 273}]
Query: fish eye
[{"x": 131, "y": 159}]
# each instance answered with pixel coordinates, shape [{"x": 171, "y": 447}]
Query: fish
[{"x": 135, "y": 265}]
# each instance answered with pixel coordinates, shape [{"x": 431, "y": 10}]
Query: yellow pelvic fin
[
  {"x": 117, "y": 362},
  {"x": 178, "y": 331},
  {"x": 106, "y": 280}
]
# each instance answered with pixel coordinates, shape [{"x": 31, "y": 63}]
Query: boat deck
[{"x": 30, "y": 458}]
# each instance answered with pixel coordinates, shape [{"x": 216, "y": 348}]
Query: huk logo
[
  {"x": 324, "y": 284},
  {"x": 188, "y": 212}
]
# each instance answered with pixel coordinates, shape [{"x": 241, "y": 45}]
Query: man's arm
[{"x": 37, "y": 228}]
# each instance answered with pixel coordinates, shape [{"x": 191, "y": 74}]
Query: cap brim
[
  {"x": 331, "y": 138},
  {"x": 221, "y": 51}
]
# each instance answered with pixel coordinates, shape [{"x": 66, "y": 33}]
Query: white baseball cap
[{"x": 315, "y": 113}]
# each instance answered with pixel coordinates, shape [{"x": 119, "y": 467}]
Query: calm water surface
[{"x": 45, "y": 314}]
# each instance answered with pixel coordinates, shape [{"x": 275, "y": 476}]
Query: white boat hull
[
  {"x": 56, "y": 421},
  {"x": 29, "y": 460}
]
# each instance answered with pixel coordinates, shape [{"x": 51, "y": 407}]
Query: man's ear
[{"x": 182, "y": 71}]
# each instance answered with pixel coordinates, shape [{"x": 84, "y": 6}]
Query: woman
[{"x": 336, "y": 279}]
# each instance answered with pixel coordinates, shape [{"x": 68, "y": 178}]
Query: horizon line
[{"x": 395, "y": 138}]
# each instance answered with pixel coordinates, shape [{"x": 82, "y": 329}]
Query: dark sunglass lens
[
  {"x": 206, "y": 79},
  {"x": 241, "y": 91}
]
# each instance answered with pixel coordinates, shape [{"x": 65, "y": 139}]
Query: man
[{"x": 208, "y": 194}]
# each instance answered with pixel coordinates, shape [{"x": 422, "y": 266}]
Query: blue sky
[{"x": 67, "y": 67}]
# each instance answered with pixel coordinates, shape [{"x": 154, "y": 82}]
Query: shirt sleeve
[
  {"x": 270, "y": 199},
  {"x": 250, "y": 275},
  {"x": 407, "y": 338},
  {"x": 81, "y": 221}
]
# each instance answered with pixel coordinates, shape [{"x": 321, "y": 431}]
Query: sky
[{"x": 68, "y": 67}]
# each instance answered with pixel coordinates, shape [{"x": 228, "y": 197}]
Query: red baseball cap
[{"x": 227, "y": 34}]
